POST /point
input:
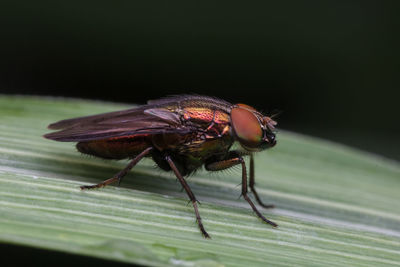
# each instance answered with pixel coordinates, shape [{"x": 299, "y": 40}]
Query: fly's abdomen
[{"x": 115, "y": 148}]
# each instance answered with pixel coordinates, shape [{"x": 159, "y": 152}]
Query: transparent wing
[{"x": 146, "y": 119}]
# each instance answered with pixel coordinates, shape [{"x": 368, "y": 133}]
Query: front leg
[
  {"x": 252, "y": 184},
  {"x": 232, "y": 159}
]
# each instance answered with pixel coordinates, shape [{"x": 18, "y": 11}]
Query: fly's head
[{"x": 253, "y": 130}]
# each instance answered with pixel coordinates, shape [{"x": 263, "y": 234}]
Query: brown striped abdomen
[{"x": 117, "y": 147}]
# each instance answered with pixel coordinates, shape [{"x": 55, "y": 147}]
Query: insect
[{"x": 181, "y": 134}]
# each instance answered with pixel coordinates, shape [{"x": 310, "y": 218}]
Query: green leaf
[{"x": 336, "y": 206}]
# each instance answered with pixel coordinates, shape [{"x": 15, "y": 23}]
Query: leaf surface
[{"x": 335, "y": 205}]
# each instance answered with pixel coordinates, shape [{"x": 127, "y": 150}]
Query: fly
[{"x": 181, "y": 134}]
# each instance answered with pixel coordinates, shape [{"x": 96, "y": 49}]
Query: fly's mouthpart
[{"x": 270, "y": 140}]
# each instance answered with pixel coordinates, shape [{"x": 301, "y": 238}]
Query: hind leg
[{"x": 118, "y": 177}]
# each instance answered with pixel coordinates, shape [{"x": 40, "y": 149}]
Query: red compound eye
[{"x": 246, "y": 126}]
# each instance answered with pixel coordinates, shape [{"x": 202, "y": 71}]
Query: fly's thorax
[
  {"x": 201, "y": 112},
  {"x": 205, "y": 115},
  {"x": 253, "y": 130},
  {"x": 209, "y": 121}
]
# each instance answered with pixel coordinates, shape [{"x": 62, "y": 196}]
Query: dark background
[{"x": 332, "y": 67}]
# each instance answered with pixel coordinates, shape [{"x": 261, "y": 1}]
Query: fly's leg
[
  {"x": 189, "y": 193},
  {"x": 233, "y": 159},
  {"x": 252, "y": 183},
  {"x": 118, "y": 177}
]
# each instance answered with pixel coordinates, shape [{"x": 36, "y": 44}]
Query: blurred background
[{"x": 331, "y": 67}]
